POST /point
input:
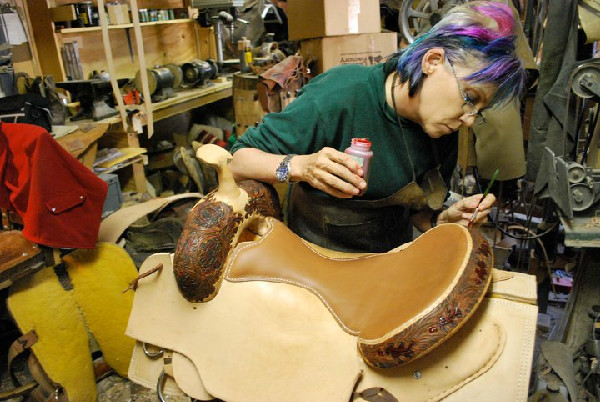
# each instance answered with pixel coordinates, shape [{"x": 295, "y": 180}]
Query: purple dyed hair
[{"x": 480, "y": 29}]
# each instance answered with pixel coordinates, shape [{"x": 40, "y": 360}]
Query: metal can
[
  {"x": 153, "y": 15},
  {"x": 144, "y": 16},
  {"x": 84, "y": 12},
  {"x": 95, "y": 17},
  {"x": 171, "y": 14}
]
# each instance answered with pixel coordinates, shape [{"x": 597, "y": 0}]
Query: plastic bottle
[{"x": 360, "y": 150}]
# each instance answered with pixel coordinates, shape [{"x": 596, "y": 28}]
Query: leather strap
[
  {"x": 41, "y": 388},
  {"x": 375, "y": 394},
  {"x": 19, "y": 346}
]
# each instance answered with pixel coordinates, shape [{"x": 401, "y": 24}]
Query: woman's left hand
[{"x": 462, "y": 210}]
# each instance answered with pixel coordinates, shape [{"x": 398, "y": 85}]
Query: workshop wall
[{"x": 163, "y": 43}]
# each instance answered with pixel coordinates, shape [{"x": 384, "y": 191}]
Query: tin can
[
  {"x": 144, "y": 16},
  {"x": 84, "y": 12},
  {"x": 95, "y": 17}
]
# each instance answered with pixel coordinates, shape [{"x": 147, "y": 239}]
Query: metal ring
[
  {"x": 152, "y": 355},
  {"x": 159, "y": 386}
]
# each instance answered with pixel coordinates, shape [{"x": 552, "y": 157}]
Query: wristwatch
[{"x": 283, "y": 170}]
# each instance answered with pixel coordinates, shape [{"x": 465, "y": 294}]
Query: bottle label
[{"x": 358, "y": 159}]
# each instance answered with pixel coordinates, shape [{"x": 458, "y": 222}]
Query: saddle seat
[{"x": 377, "y": 295}]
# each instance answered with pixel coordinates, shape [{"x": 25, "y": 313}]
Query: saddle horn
[{"x": 214, "y": 225}]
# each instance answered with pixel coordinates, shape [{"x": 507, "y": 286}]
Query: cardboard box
[
  {"x": 365, "y": 49},
  {"x": 118, "y": 14},
  {"x": 320, "y": 18}
]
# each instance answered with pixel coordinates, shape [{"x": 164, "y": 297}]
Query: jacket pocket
[{"x": 65, "y": 202}]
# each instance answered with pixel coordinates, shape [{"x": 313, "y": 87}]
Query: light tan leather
[
  {"x": 371, "y": 295},
  {"x": 112, "y": 228},
  {"x": 252, "y": 359},
  {"x": 254, "y": 342},
  {"x": 145, "y": 371},
  {"x": 188, "y": 378},
  {"x": 513, "y": 286},
  {"x": 460, "y": 360},
  {"x": 499, "y": 143},
  {"x": 506, "y": 380}
]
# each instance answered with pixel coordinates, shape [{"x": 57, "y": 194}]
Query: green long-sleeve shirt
[{"x": 346, "y": 102}]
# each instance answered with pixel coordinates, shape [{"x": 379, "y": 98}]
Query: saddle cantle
[{"x": 399, "y": 305}]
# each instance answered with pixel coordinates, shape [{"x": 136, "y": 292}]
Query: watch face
[{"x": 282, "y": 173}]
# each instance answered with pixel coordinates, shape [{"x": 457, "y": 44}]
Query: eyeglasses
[{"x": 468, "y": 107}]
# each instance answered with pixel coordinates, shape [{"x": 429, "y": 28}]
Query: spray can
[{"x": 360, "y": 151}]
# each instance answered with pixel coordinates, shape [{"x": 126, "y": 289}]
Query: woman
[{"x": 410, "y": 109}]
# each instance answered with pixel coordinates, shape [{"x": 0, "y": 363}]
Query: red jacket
[{"x": 59, "y": 199}]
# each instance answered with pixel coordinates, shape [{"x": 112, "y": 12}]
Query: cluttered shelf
[
  {"x": 182, "y": 101},
  {"x": 121, "y": 26},
  {"x": 83, "y": 142}
]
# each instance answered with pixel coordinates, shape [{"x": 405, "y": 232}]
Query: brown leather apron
[{"x": 362, "y": 225}]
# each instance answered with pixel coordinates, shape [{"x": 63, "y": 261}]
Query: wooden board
[
  {"x": 45, "y": 42},
  {"x": 141, "y": 3},
  {"x": 63, "y": 13},
  {"x": 169, "y": 43},
  {"x": 22, "y": 60}
]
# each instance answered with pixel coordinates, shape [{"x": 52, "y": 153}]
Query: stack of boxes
[{"x": 336, "y": 32}]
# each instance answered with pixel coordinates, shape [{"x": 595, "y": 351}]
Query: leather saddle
[{"x": 251, "y": 312}]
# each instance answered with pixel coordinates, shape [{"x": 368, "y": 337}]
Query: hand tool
[{"x": 485, "y": 193}]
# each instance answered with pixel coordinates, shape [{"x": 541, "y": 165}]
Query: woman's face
[{"x": 446, "y": 101}]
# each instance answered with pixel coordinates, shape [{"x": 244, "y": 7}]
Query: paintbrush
[{"x": 485, "y": 193}]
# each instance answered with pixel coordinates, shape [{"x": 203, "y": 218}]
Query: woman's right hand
[{"x": 330, "y": 171}]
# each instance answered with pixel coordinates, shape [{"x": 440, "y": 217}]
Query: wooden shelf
[
  {"x": 137, "y": 159},
  {"x": 184, "y": 100},
  {"x": 122, "y": 26}
]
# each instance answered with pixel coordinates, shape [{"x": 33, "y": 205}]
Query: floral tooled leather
[
  {"x": 210, "y": 233},
  {"x": 429, "y": 331},
  {"x": 203, "y": 248}
]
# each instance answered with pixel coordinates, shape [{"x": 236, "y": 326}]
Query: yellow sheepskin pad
[
  {"x": 63, "y": 318},
  {"x": 99, "y": 278},
  {"x": 39, "y": 303}
]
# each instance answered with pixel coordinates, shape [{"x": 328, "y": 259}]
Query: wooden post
[{"x": 46, "y": 45}]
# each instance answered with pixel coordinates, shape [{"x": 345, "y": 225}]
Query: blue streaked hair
[{"x": 480, "y": 31}]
